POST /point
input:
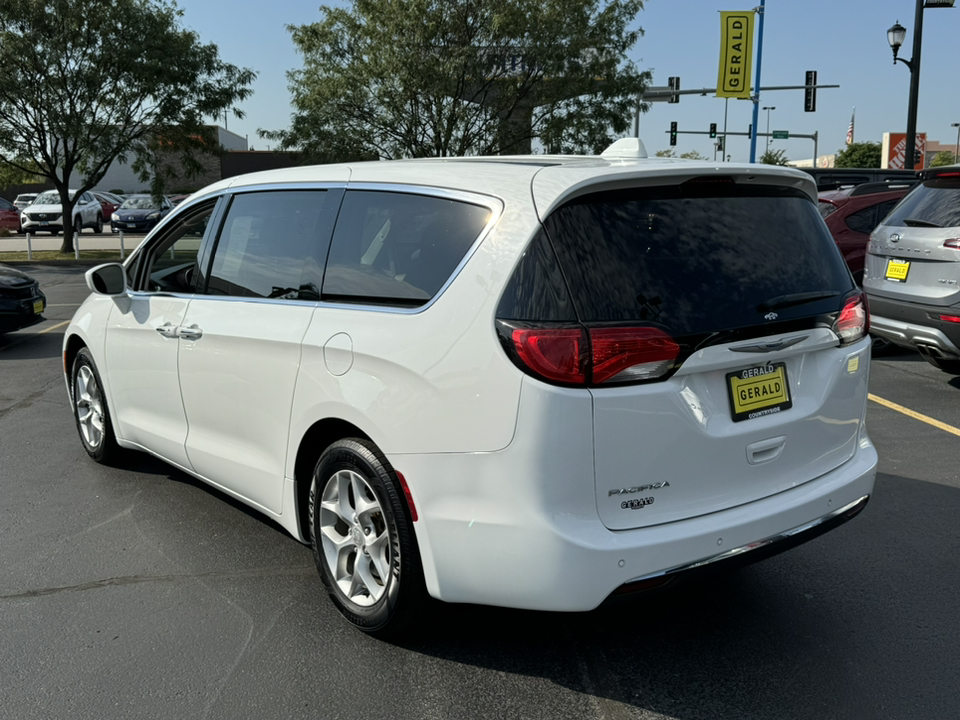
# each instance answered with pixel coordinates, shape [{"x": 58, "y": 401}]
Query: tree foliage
[
  {"x": 85, "y": 83},
  {"x": 944, "y": 157},
  {"x": 416, "y": 78},
  {"x": 859, "y": 155},
  {"x": 774, "y": 157},
  {"x": 689, "y": 155}
]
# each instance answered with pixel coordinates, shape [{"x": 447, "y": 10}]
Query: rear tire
[
  {"x": 77, "y": 226},
  {"x": 98, "y": 228},
  {"x": 947, "y": 365},
  {"x": 363, "y": 540},
  {"x": 90, "y": 410}
]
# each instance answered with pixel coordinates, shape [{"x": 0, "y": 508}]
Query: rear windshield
[
  {"x": 698, "y": 258},
  {"x": 934, "y": 203}
]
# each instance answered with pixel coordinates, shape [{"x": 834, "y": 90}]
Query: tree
[
  {"x": 859, "y": 155},
  {"x": 774, "y": 157},
  {"x": 944, "y": 157},
  {"x": 415, "y": 78},
  {"x": 689, "y": 155},
  {"x": 85, "y": 83}
]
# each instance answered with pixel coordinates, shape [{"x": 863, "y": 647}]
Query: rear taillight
[
  {"x": 580, "y": 356},
  {"x": 552, "y": 353},
  {"x": 630, "y": 354},
  {"x": 952, "y": 243},
  {"x": 854, "y": 320},
  {"x": 950, "y": 318}
]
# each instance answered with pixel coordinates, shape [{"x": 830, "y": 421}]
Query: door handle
[
  {"x": 168, "y": 330},
  {"x": 190, "y": 333}
]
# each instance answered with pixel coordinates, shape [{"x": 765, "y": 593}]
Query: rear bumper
[
  {"x": 915, "y": 325},
  {"x": 493, "y": 539}
]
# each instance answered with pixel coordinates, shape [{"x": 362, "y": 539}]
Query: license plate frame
[
  {"x": 897, "y": 270},
  {"x": 758, "y": 391}
]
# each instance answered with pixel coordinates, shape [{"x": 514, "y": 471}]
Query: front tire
[
  {"x": 98, "y": 227},
  {"x": 90, "y": 409},
  {"x": 363, "y": 541}
]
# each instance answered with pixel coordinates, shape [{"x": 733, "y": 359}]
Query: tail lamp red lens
[
  {"x": 953, "y": 243},
  {"x": 854, "y": 320},
  {"x": 597, "y": 355},
  {"x": 950, "y": 318}
]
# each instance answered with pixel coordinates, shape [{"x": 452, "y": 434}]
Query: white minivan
[{"x": 533, "y": 382}]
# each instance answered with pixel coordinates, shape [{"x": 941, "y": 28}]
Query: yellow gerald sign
[{"x": 736, "y": 54}]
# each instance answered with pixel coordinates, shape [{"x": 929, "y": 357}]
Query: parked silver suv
[{"x": 912, "y": 273}]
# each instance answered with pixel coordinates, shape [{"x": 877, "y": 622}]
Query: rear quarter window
[{"x": 397, "y": 248}]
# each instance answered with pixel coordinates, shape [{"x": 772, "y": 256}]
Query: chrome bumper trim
[{"x": 754, "y": 545}]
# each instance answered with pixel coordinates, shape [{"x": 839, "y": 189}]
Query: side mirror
[{"x": 109, "y": 279}]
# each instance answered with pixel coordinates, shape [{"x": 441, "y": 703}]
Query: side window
[
  {"x": 172, "y": 263},
  {"x": 884, "y": 208},
  {"x": 6, "y": 204},
  {"x": 863, "y": 221},
  {"x": 398, "y": 248},
  {"x": 272, "y": 245}
]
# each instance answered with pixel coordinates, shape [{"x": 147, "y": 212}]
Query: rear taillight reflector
[
  {"x": 950, "y": 318},
  {"x": 553, "y": 353},
  {"x": 854, "y": 322},
  {"x": 630, "y": 354}
]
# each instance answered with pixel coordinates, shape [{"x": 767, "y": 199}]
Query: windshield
[
  {"x": 140, "y": 203},
  {"x": 934, "y": 203},
  {"x": 51, "y": 197},
  {"x": 697, "y": 261}
]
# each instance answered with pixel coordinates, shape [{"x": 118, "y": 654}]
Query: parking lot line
[
  {"x": 915, "y": 415},
  {"x": 53, "y": 327}
]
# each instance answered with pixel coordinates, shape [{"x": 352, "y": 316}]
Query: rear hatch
[
  {"x": 738, "y": 386},
  {"x": 915, "y": 253}
]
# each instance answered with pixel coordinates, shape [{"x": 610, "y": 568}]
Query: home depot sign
[
  {"x": 894, "y": 150},
  {"x": 736, "y": 54}
]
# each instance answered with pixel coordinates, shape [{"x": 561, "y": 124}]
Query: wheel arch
[
  {"x": 315, "y": 440},
  {"x": 72, "y": 346}
]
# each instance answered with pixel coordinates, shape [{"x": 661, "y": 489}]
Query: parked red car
[
  {"x": 852, "y": 213},
  {"x": 108, "y": 202},
  {"x": 9, "y": 216}
]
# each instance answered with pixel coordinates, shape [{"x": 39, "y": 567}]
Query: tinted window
[
  {"x": 696, "y": 258},
  {"x": 398, "y": 248},
  {"x": 935, "y": 202},
  {"x": 863, "y": 221},
  {"x": 826, "y": 209},
  {"x": 6, "y": 204},
  {"x": 271, "y": 246}
]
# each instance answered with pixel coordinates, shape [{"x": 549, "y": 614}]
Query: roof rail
[{"x": 881, "y": 186}]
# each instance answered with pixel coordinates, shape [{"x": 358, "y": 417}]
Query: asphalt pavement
[{"x": 136, "y": 591}]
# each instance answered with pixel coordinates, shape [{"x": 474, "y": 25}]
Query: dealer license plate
[
  {"x": 758, "y": 391},
  {"x": 897, "y": 270},
  {"x": 37, "y": 307}
]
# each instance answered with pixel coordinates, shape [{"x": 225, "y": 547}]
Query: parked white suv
[
  {"x": 531, "y": 382},
  {"x": 45, "y": 214}
]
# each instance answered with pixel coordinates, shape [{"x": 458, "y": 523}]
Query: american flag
[{"x": 850, "y": 129}]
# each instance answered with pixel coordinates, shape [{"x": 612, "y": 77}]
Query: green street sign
[{"x": 781, "y": 134}]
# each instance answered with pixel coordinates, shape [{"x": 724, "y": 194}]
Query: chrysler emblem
[{"x": 895, "y": 237}]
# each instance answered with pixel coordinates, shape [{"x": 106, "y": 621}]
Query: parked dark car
[
  {"x": 139, "y": 213},
  {"x": 21, "y": 301},
  {"x": 834, "y": 178},
  {"x": 851, "y": 215}
]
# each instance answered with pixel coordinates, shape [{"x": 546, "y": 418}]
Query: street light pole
[
  {"x": 768, "y": 109},
  {"x": 956, "y": 150},
  {"x": 895, "y": 36}
]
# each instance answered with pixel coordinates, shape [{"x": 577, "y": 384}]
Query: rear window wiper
[
  {"x": 782, "y": 301},
  {"x": 915, "y": 222}
]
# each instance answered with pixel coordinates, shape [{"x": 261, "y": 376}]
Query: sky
[{"x": 843, "y": 40}]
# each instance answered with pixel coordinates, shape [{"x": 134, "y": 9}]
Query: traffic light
[
  {"x": 720, "y": 144},
  {"x": 713, "y": 130},
  {"x": 810, "y": 92},
  {"x": 673, "y": 133},
  {"x": 674, "y": 83}
]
